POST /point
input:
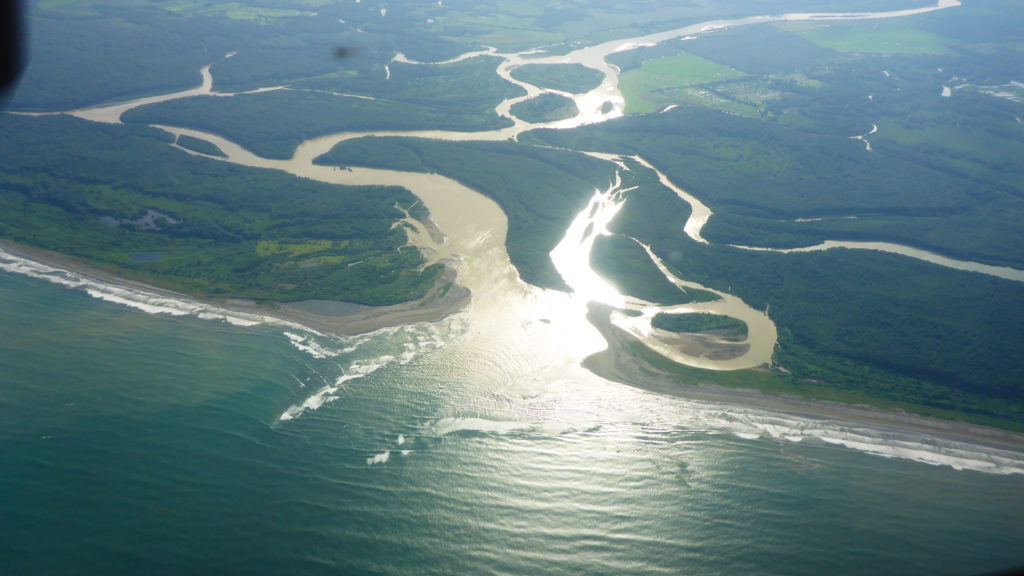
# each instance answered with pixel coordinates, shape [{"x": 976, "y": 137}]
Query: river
[
  {"x": 543, "y": 332},
  {"x": 192, "y": 439}
]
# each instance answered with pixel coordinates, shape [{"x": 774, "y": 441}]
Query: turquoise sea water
[{"x": 152, "y": 444}]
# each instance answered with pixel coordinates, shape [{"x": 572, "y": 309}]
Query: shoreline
[
  {"x": 615, "y": 364},
  {"x": 445, "y": 298},
  {"x": 618, "y": 364}
]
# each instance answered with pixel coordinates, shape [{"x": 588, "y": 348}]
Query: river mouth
[
  {"x": 503, "y": 306},
  {"x": 600, "y": 104},
  {"x": 476, "y": 227},
  {"x": 517, "y": 330},
  {"x": 527, "y": 432}
]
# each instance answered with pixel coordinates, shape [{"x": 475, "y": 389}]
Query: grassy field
[
  {"x": 649, "y": 88},
  {"x": 234, "y": 10},
  {"x": 717, "y": 99},
  {"x": 870, "y": 37}
]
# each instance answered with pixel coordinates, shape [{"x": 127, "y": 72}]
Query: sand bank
[
  {"x": 618, "y": 364},
  {"x": 346, "y": 318},
  {"x": 343, "y": 318}
]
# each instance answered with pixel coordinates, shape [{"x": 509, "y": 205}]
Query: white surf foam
[
  {"x": 888, "y": 443},
  {"x": 956, "y": 455},
  {"x": 751, "y": 424},
  {"x": 308, "y": 344},
  {"x": 328, "y": 394},
  {"x": 378, "y": 458},
  {"x": 139, "y": 299},
  {"x": 446, "y": 426},
  {"x": 404, "y": 344}
]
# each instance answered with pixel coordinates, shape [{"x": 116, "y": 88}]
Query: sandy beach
[
  {"x": 618, "y": 364},
  {"x": 446, "y": 297},
  {"x": 348, "y": 319}
]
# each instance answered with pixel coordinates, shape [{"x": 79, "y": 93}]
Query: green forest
[
  {"x": 793, "y": 133},
  {"x": 545, "y": 108},
  {"x": 760, "y": 178},
  {"x": 731, "y": 328},
  {"x": 120, "y": 199},
  {"x": 624, "y": 263},
  {"x": 861, "y": 324},
  {"x": 200, "y": 146},
  {"x": 540, "y": 190},
  {"x": 457, "y": 97},
  {"x": 571, "y": 78}
]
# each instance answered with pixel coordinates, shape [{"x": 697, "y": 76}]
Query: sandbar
[{"x": 619, "y": 364}]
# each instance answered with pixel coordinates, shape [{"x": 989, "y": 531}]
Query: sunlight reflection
[{"x": 572, "y": 255}]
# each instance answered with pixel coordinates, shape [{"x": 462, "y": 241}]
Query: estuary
[{"x": 200, "y": 437}]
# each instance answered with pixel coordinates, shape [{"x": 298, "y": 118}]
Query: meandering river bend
[{"x": 515, "y": 328}]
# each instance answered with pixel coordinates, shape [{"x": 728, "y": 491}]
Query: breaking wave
[
  {"x": 689, "y": 417},
  {"x": 395, "y": 345},
  {"x": 328, "y": 393},
  {"x": 316, "y": 349},
  {"x": 887, "y": 443},
  {"x": 137, "y": 298},
  {"x": 446, "y": 426}
]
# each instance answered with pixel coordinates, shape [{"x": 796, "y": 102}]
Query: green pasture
[
  {"x": 643, "y": 87},
  {"x": 870, "y": 37},
  {"x": 233, "y": 10}
]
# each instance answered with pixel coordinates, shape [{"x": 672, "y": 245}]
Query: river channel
[
  {"x": 516, "y": 328},
  {"x": 475, "y": 227},
  {"x": 195, "y": 439}
]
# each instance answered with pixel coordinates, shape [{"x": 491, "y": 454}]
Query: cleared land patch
[
  {"x": 657, "y": 82},
  {"x": 870, "y": 38}
]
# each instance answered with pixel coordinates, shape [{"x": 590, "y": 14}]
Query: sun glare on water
[{"x": 572, "y": 255}]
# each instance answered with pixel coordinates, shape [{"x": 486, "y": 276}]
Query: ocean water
[{"x": 156, "y": 444}]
